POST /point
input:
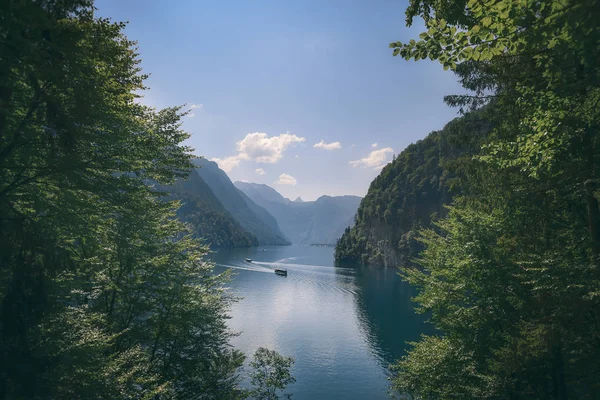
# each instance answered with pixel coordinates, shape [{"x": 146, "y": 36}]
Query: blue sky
[{"x": 269, "y": 80}]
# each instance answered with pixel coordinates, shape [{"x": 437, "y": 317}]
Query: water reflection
[
  {"x": 386, "y": 312},
  {"x": 344, "y": 326}
]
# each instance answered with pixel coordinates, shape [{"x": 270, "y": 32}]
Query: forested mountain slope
[
  {"x": 207, "y": 216},
  {"x": 511, "y": 277},
  {"x": 409, "y": 194},
  {"x": 250, "y": 216},
  {"x": 305, "y": 222}
]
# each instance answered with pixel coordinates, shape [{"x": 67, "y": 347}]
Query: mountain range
[
  {"x": 206, "y": 215},
  {"x": 322, "y": 221},
  {"x": 249, "y": 214}
]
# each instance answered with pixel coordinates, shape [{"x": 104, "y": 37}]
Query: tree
[
  {"x": 103, "y": 292},
  {"x": 511, "y": 277},
  {"x": 271, "y": 374}
]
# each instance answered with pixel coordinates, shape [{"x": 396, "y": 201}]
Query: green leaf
[{"x": 467, "y": 53}]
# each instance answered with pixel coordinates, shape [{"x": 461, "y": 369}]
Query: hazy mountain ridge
[
  {"x": 206, "y": 215},
  {"x": 261, "y": 192},
  {"x": 251, "y": 216},
  {"x": 322, "y": 221}
]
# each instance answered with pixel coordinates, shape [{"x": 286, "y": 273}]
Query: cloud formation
[
  {"x": 285, "y": 179},
  {"x": 260, "y": 171},
  {"x": 376, "y": 159},
  {"x": 374, "y": 145},
  {"x": 327, "y": 146},
  {"x": 193, "y": 107},
  {"x": 227, "y": 163},
  {"x": 260, "y": 148}
]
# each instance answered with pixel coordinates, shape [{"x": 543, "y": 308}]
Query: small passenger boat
[
  {"x": 248, "y": 260},
  {"x": 282, "y": 272}
]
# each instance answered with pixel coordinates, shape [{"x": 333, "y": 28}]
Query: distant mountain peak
[
  {"x": 305, "y": 222},
  {"x": 267, "y": 192},
  {"x": 252, "y": 217}
]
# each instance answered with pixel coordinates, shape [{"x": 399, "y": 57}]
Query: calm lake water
[{"x": 344, "y": 326}]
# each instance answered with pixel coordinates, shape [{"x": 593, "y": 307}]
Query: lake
[{"x": 343, "y": 326}]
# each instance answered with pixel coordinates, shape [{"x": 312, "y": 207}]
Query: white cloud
[
  {"x": 285, "y": 179},
  {"x": 376, "y": 159},
  {"x": 296, "y": 156},
  {"x": 227, "y": 163},
  {"x": 193, "y": 107},
  {"x": 327, "y": 146},
  {"x": 260, "y": 171},
  {"x": 374, "y": 145},
  {"x": 261, "y": 148}
]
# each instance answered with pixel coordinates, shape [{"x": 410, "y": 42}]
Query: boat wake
[
  {"x": 246, "y": 268},
  {"x": 317, "y": 275},
  {"x": 324, "y": 268}
]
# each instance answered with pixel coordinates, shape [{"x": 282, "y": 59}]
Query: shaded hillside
[
  {"x": 305, "y": 222},
  {"x": 409, "y": 194},
  {"x": 262, "y": 193},
  {"x": 250, "y": 216},
  {"x": 208, "y": 218},
  {"x": 326, "y": 218},
  {"x": 262, "y": 214}
]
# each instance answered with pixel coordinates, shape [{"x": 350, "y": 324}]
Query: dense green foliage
[
  {"x": 410, "y": 193},
  {"x": 207, "y": 218},
  {"x": 512, "y": 276},
  {"x": 103, "y": 294},
  {"x": 270, "y": 375}
]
